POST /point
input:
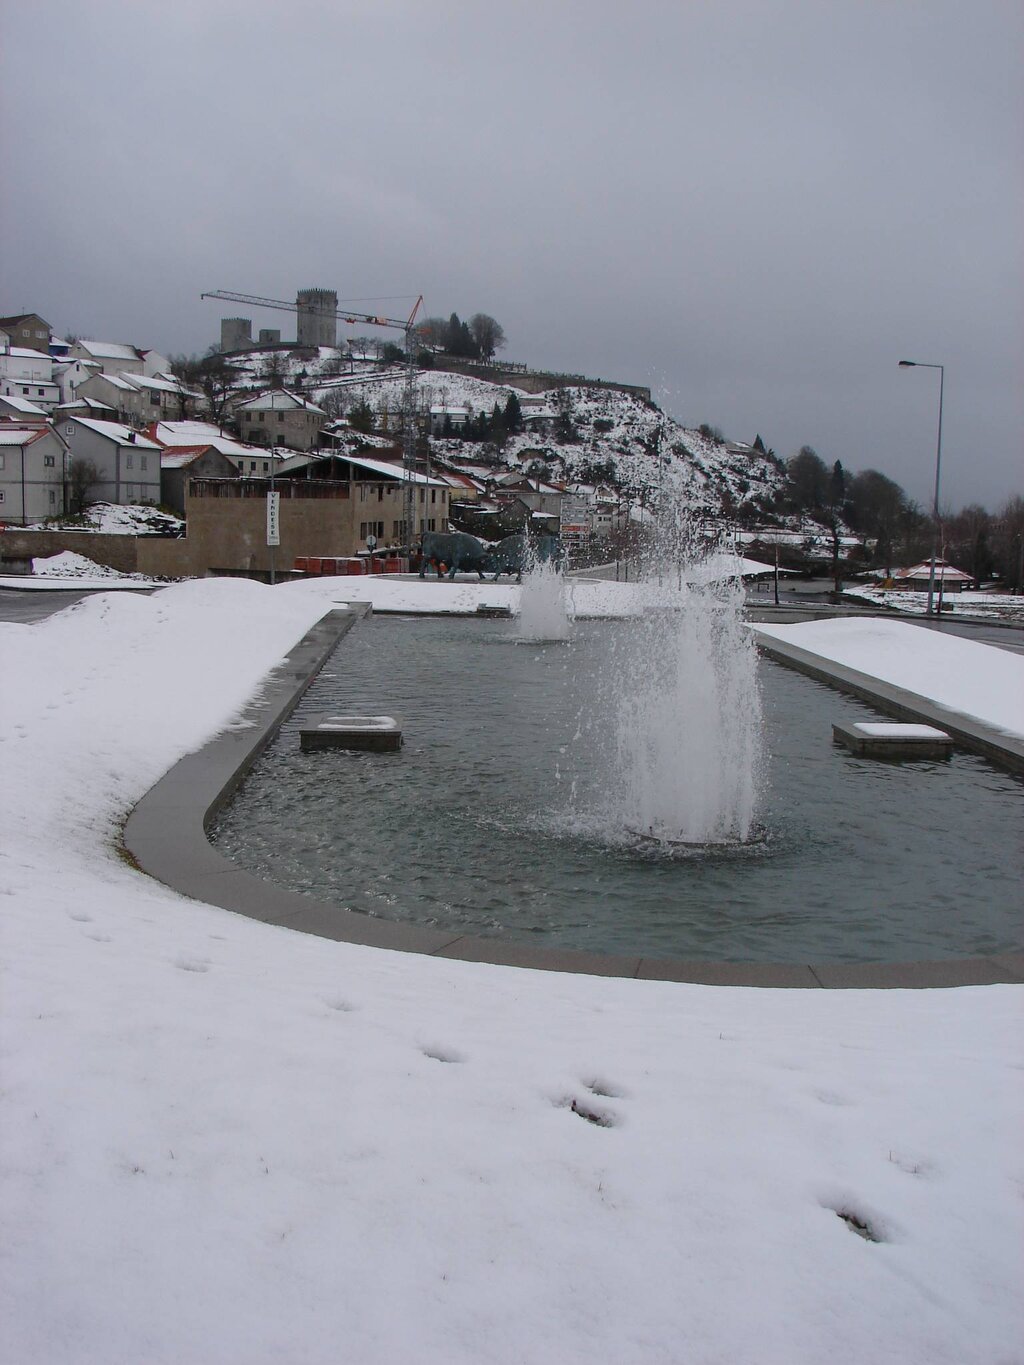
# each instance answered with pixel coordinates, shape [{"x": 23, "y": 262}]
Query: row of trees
[
  {"x": 981, "y": 543},
  {"x": 476, "y": 339}
]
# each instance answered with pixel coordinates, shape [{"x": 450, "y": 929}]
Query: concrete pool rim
[{"x": 166, "y": 835}]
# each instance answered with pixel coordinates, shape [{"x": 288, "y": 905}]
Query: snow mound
[{"x": 71, "y": 565}]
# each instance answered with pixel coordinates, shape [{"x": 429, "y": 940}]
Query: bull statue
[
  {"x": 457, "y": 549},
  {"x": 510, "y": 556}
]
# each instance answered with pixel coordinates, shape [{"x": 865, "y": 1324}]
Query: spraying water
[
  {"x": 544, "y": 611},
  {"x": 677, "y": 713},
  {"x": 688, "y": 721}
]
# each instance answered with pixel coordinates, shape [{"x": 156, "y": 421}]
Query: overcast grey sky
[{"x": 756, "y": 208}]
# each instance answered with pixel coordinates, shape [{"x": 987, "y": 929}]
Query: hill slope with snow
[{"x": 618, "y": 438}]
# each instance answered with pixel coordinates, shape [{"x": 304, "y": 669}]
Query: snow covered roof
[
  {"x": 26, "y": 353},
  {"x": 22, "y": 405},
  {"x": 90, "y": 405},
  {"x": 110, "y": 350},
  {"x": 176, "y": 457},
  {"x": 391, "y": 471},
  {"x": 117, "y": 381},
  {"x": 115, "y": 431},
  {"x": 188, "y": 434},
  {"x": 459, "y": 480},
  {"x": 20, "y": 434},
  {"x": 143, "y": 381},
  {"x": 943, "y": 571},
  {"x": 279, "y": 398}
]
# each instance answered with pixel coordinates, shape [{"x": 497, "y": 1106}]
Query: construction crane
[{"x": 409, "y": 418}]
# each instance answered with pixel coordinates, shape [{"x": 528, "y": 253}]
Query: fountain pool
[{"x": 491, "y": 820}]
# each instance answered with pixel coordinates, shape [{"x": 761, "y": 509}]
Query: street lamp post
[{"x": 923, "y": 365}]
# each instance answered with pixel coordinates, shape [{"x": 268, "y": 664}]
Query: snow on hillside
[{"x": 616, "y": 433}]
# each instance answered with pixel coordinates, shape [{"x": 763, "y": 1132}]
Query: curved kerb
[{"x": 166, "y": 835}]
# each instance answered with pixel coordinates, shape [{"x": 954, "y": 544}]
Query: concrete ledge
[
  {"x": 166, "y": 835},
  {"x": 1006, "y": 751}
]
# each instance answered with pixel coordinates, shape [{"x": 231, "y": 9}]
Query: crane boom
[{"x": 368, "y": 319}]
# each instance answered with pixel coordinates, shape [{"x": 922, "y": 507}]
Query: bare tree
[
  {"x": 431, "y": 332},
  {"x": 83, "y": 476},
  {"x": 487, "y": 333}
]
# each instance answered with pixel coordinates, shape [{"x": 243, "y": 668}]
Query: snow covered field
[
  {"x": 222, "y": 1141},
  {"x": 993, "y": 606}
]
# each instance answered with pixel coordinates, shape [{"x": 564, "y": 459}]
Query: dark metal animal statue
[
  {"x": 456, "y": 549},
  {"x": 509, "y": 556}
]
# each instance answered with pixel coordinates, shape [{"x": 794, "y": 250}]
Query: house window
[
  {"x": 266, "y": 466},
  {"x": 263, "y": 416},
  {"x": 3, "y": 495},
  {"x": 25, "y": 389},
  {"x": 130, "y": 462},
  {"x": 48, "y": 461},
  {"x": 280, "y": 416},
  {"x": 432, "y": 524},
  {"x": 154, "y": 398},
  {"x": 53, "y": 497},
  {"x": 142, "y": 462},
  {"x": 39, "y": 392},
  {"x": 380, "y": 493},
  {"x": 1, "y": 461},
  {"x": 433, "y": 498},
  {"x": 252, "y": 466}
]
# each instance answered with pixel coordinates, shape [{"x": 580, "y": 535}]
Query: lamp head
[{"x": 904, "y": 363}]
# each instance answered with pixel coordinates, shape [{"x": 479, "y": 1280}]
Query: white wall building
[
  {"x": 28, "y": 374},
  {"x": 127, "y": 464},
  {"x": 33, "y": 472}
]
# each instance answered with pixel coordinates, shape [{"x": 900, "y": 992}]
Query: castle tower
[
  {"x": 318, "y": 325},
  {"x": 235, "y": 334}
]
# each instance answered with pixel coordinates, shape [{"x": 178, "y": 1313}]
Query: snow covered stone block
[
  {"x": 871, "y": 739},
  {"x": 377, "y": 733},
  {"x": 491, "y": 609}
]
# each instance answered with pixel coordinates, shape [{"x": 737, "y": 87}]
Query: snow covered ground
[
  {"x": 993, "y": 606},
  {"x": 223, "y": 1141},
  {"x": 117, "y": 519}
]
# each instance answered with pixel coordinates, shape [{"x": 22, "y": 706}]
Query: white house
[
  {"x": 33, "y": 472},
  {"x": 28, "y": 374},
  {"x": 127, "y": 464},
  {"x": 112, "y": 357}
]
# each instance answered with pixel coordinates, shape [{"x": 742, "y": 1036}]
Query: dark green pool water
[{"x": 475, "y": 824}]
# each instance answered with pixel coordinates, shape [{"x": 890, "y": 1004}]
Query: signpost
[{"x": 273, "y": 527}]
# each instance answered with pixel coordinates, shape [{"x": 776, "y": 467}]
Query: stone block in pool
[
  {"x": 380, "y": 734},
  {"x": 871, "y": 739}
]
